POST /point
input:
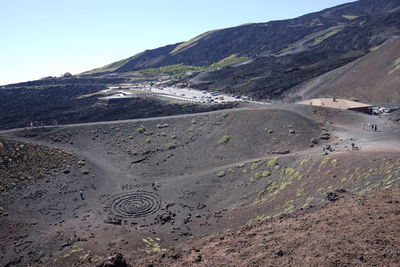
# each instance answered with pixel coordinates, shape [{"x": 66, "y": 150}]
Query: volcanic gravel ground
[
  {"x": 143, "y": 186},
  {"x": 356, "y": 231}
]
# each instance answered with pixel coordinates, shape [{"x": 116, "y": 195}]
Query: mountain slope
[
  {"x": 284, "y": 54},
  {"x": 374, "y": 77},
  {"x": 271, "y": 77},
  {"x": 260, "y": 39}
]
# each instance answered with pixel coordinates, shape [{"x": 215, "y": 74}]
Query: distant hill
[
  {"x": 263, "y": 39},
  {"x": 267, "y": 59}
]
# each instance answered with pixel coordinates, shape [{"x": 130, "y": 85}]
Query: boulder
[{"x": 116, "y": 260}]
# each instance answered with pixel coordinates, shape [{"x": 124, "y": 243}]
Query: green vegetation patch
[
  {"x": 171, "y": 145},
  {"x": 152, "y": 245},
  {"x": 349, "y": 17},
  {"x": 307, "y": 202},
  {"x": 230, "y": 60},
  {"x": 324, "y": 162},
  {"x": 355, "y": 99},
  {"x": 306, "y": 160},
  {"x": 221, "y": 174},
  {"x": 240, "y": 165},
  {"x": 293, "y": 173},
  {"x": 272, "y": 162},
  {"x": 255, "y": 166},
  {"x": 162, "y": 125},
  {"x": 272, "y": 187},
  {"x": 261, "y": 218},
  {"x": 102, "y": 92},
  {"x": 261, "y": 175},
  {"x": 141, "y": 129},
  {"x": 224, "y": 139},
  {"x": 177, "y": 70},
  {"x": 284, "y": 185},
  {"x": 289, "y": 209},
  {"x": 171, "y": 70},
  {"x": 3, "y": 212},
  {"x": 325, "y": 36}
]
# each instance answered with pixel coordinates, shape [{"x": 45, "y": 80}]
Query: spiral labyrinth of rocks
[{"x": 134, "y": 204}]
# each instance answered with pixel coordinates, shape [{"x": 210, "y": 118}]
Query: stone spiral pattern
[{"x": 135, "y": 204}]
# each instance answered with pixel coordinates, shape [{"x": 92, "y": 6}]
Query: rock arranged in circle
[{"x": 134, "y": 204}]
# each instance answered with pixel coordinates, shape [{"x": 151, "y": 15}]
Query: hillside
[
  {"x": 372, "y": 78},
  {"x": 301, "y": 48},
  {"x": 264, "y": 39},
  {"x": 297, "y": 240}
]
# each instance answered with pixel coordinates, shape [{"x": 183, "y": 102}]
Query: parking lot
[{"x": 172, "y": 92}]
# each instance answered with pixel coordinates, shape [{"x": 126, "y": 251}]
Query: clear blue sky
[{"x": 48, "y": 37}]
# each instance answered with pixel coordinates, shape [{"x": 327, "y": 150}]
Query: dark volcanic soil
[
  {"x": 152, "y": 184},
  {"x": 21, "y": 163},
  {"x": 75, "y": 100},
  {"x": 372, "y": 78}
]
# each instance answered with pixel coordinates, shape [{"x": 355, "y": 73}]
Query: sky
[{"x": 40, "y": 38}]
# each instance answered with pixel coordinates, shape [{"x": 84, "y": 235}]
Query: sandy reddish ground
[{"x": 358, "y": 231}]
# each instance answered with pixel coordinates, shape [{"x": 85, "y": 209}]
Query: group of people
[
  {"x": 370, "y": 126},
  {"x": 36, "y": 124}
]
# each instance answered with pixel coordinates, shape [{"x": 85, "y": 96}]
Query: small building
[
  {"x": 338, "y": 103},
  {"x": 67, "y": 75}
]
